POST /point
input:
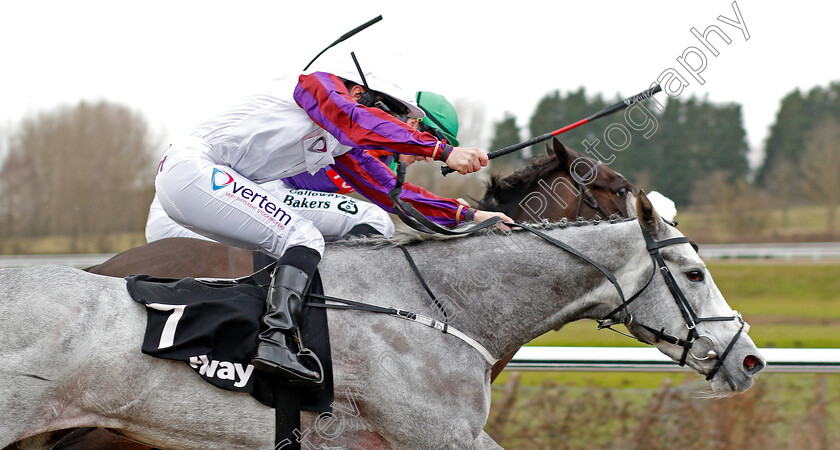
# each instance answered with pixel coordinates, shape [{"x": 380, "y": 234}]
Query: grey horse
[{"x": 69, "y": 340}]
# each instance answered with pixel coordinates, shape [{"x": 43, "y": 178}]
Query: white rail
[
  {"x": 649, "y": 359},
  {"x": 785, "y": 251}
]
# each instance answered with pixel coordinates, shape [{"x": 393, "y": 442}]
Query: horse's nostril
[{"x": 753, "y": 364}]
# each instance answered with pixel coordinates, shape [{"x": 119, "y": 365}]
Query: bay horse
[
  {"x": 562, "y": 184},
  {"x": 69, "y": 339}
]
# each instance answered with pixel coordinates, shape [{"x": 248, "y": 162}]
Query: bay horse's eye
[
  {"x": 695, "y": 275},
  {"x": 621, "y": 192}
]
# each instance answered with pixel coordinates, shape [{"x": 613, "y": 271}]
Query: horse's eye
[
  {"x": 621, "y": 192},
  {"x": 695, "y": 275}
]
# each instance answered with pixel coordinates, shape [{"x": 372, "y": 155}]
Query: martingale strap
[
  {"x": 419, "y": 276},
  {"x": 407, "y": 315}
]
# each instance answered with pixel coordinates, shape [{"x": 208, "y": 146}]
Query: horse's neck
[{"x": 508, "y": 290}]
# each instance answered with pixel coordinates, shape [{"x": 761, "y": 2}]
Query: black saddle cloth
[{"x": 213, "y": 326}]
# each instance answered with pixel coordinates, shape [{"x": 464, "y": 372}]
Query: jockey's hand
[
  {"x": 466, "y": 160},
  {"x": 481, "y": 216},
  {"x": 462, "y": 201}
]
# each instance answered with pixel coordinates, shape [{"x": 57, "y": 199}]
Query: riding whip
[
  {"x": 346, "y": 36},
  {"x": 604, "y": 112}
]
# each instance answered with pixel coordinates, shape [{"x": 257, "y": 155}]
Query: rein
[
  {"x": 415, "y": 219},
  {"x": 688, "y": 313}
]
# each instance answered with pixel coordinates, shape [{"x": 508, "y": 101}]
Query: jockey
[
  {"x": 209, "y": 181},
  {"x": 319, "y": 197},
  {"x": 440, "y": 119}
]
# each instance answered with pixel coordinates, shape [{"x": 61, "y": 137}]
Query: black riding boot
[{"x": 284, "y": 304}]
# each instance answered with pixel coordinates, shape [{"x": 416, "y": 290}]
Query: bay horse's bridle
[{"x": 585, "y": 193}]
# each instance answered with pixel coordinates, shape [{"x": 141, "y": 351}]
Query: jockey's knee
[
  {"x": 376, "y": 218},
  {"x": 301, "y": 233}
]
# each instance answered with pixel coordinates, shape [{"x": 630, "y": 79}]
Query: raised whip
[{"x": 644, "y": 95}]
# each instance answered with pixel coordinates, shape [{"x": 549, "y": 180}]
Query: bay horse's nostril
[{"x": 753, "y": 364}]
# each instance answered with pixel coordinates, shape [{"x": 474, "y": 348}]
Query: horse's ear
[
  {"x": 647, "y": 216},
  {"x": 561, "y": 152}
]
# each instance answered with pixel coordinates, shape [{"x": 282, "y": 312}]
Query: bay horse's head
[{"x": 562, "y": 184}]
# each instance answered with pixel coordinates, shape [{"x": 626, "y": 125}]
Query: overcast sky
[{"x": 177, "y": 61}]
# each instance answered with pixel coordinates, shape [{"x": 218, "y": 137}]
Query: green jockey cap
[{"x": 440, "y": 116}]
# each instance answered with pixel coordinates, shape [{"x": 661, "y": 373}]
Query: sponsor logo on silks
[
  {"x": 307, "y": 203},
  {"x": 318, "y": 145},
  {"x": 220, "y": 179},
  {"x": 160, "y": 165},
  {"x": 225, "y": 178},
  {"x": 222, "y": 370},
  {"x": 348, "y": 206}
]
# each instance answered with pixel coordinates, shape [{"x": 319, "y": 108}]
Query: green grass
[
  {"x": 634, "y": 380},
  {"x": 802, "y": 290}
]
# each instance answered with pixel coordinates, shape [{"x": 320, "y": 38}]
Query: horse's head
[
  {"x": 547, "y": 190},
  {"x": 682, "y": 312},
  {"x": 602, "y": 189}
]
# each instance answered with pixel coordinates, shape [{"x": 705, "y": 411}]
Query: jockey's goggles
[
  {"x": 372, "y": 98},
  {"x": 422, "y": 126}
]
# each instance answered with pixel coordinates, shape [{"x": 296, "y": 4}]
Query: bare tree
[
  {"x": 734, "y": 210},
  {"x": 820, "y": 164},
  {"x": 80, "y": 170}
]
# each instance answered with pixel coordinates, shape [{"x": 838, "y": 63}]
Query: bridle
[{"x": 585, "y": 193}]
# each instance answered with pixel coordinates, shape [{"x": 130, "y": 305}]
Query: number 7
[{"x": 167, "y": 337}]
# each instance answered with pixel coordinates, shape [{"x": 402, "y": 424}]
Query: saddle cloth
[{"x": 213, "y": 326}]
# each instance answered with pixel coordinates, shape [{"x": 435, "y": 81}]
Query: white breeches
[
  {"x": 219, "y": 203},
  {"x": 199, "y": 199}
]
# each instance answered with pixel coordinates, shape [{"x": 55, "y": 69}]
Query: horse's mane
[
  {"x": 503, "y": 193},
  {"x": 405, "y": 235}
]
